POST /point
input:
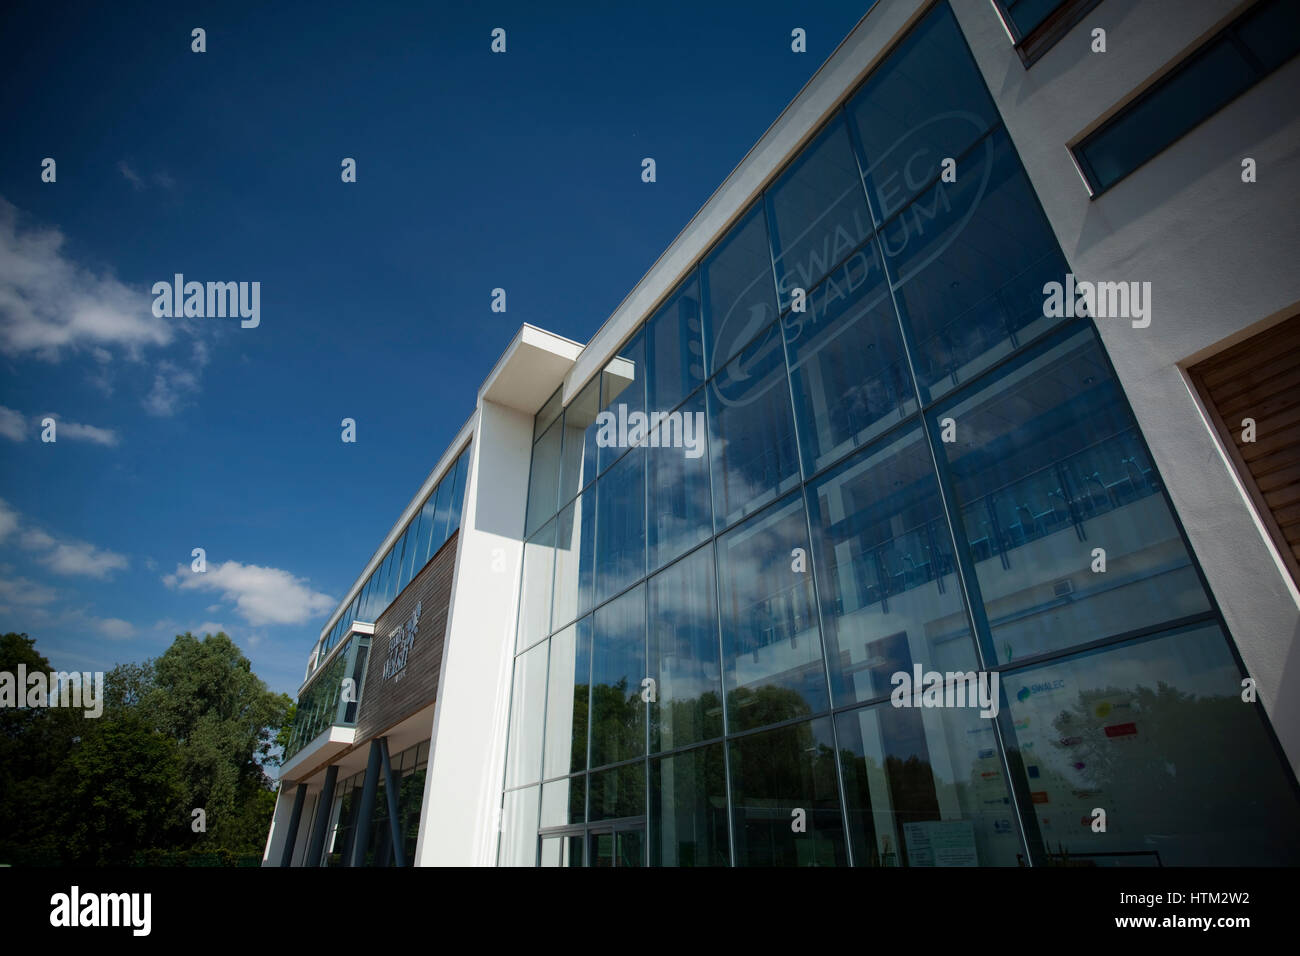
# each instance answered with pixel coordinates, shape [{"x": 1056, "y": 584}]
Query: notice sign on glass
[{"x": 941, "y": 843}]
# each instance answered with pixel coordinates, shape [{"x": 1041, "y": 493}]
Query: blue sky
[{"x": 474, "y": 171}]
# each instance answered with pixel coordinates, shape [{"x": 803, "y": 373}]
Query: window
[
  {"x": 525, "y": 743},
  {"x": 688, "y": 809},
  {"x": 739, "y": 295},
  {"x": 679, "y": 509},
  {"x": 617, "y": 668},
  {"x": 675, "y": 349},
  {"x": 1036, "y": 25},
  {"x": 1218, "y": 72},
  {"x": 622, "y": 392},
  {"x": 544, "y": 479},
  {"x": 535, "y": 595},
  {"x": 567, "y": 701},
  {"x": 620, "y": 525}
]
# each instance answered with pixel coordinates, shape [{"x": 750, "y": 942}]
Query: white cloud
[
  {"x": 50, "y": 305},
  {"x": 8, "y": 520},
  {"x": 130, "y": 174},
  {"x": 261, "y": 595},
  {"x": 173, "y": 383},
  {"x": 75, "y": 431},
  {"x": 72, "y": 557},
  {"x": 113, "y": 627},
  {"x": 25, "y": 592},
  {"x": 12, "y": 424}
]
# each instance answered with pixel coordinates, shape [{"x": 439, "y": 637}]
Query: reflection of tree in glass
[{"x": 767, "y": 705}]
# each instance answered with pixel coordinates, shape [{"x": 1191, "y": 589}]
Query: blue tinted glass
[
  {"x": 1028, "y": 14},
  {"x": 620, "y": 525},
  {"x": 926, "y": 790},
  {"x": 890, "y": 596},
  {"x": 679, "y": 509},
  {"x": 401, "y": 562},
  {"x": 969, "y": 261},
  {"x": 578, "y": 461},
  {"x": 751, "y": 431},
  {"x": 535, "y": 590},
  {"x": 1047, "y": 464},
  {"x": 1147, "y": 126},
  {"x": 687, "y": 707},
  {"x": 688, "y": 809},
  {"x": 428, "y": 521},
  {"x": 771, "y": 643},
  {"x": 817, "y": 212},
  {"x": 1156, "y": 733},
  {"x": 773, "y": 775},
  {"x": 623, "y": 393},
  {"x": 418, "y": 547},
  {"x": 458, "y": 493},
  {"x": 927, "y": 102},
  {"x": 618, "y": 666},
  {"x": 575, "y": 562},
  {"x": 544, "y": 479},
  {"x": 848, "y": 371},
  {"x": 675, "y": 349},
  {"x": 739, "y": 294},
  {"x": 441, "y": 514}
]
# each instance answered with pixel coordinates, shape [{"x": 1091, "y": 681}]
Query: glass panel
[
  {"x": 519, "y": 828},
  {"x": 564, "y": 801},
  {"x": 751, "y": 431},
  {"x": 619, "y": 792},
  {"x": 417, "y": 552},
  {"x": 679, "y": 509},
  {"x": 544, "y": 479},
  {"x": 602, "y": 849},
  {"x": 401, "y": 562},
  {"x": 441, "y": 514},
  {"x": 779, "y": 780},
  {"x": 428, "y": 520},
  {"x": 927, "y": 102},
  {"x": 1271, "y": 31},
  {"x": 527, "y": 705},
  {"x": 562, "y": 851},
  {"x": 688, "y": 809},
  {"x": 629, "y": 847},
  {"x": 924, "y": 787},
  {"x": 566, "y": 701},
  {"x": 535, "y": 591},
  {"x": 818, "y": 212},
  {"x": 890, "y": 597},
  {"x": 739, "y": 294},
  {"x": 575, "y": 560},
  {"x": 620, "y": 525},
  {"x": 848, "y": 371},
  {"x": 386, "y": 581},
  {"x": 1028, "y": 14},
  {"x": 969, "y": 261},
  {"x": 623, "y": 394},
  {"x": 1048, "y": 465},
  {"x": 770, "y": 638},
  {"x": 578, "y": 461},
  {"x": 1154, "y": 733},
  {"x": 676, "y": 349},
  {"x": 618, "y": 666},
  {"x": 684, "y": 654},
  {"x": 547, "y": 415},
  {"x": 459, "y": 483}
]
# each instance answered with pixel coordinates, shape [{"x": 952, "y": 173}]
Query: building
[{"x": 877, "y": 443}]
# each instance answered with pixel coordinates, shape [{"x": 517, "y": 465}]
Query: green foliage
[{"x": 192, "y": 728}]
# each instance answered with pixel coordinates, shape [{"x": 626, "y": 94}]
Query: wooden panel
[
  {"x": 1260, "y": 379},
  {"x": 386, "y": 701}
]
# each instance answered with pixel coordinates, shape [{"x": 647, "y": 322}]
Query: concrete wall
[
  {"x": 462, "y": 797},
  {"x": 1220, "y": 255}
]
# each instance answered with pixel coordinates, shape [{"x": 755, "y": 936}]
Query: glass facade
[
  {"x": 905, "y": 464},
  {"x": 409, "y": 768},
  {"x": 433, "y": 524}
]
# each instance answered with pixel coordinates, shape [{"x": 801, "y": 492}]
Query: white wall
[
  {"x": 462, "y": 797},
  {"x": 1220, "y": 255}
]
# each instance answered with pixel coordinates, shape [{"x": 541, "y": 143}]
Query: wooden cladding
[
  {"x": 1252, "y": 391},
  {"x": 413, "y": 660}
]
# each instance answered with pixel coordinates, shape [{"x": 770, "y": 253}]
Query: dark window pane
[
  {"x": 676, "y": 349},
  {"x": 1156, "y": 734},
  {"x": 890, "y": 597},
  {"x": 926, "y": 788},
  {"x": 770, "y": 638},
  {"x": 618, "y": 667},
  {"x": 1048, "y": 465},
  {"x": 739, "y": 294},
  {"x": 680, "y": 509},
  {"x": 619, "y": 792},
  {"x": 688, "y": 809},
  {"x": 927, "y": 102},
  {"x": 818, "y": 212},
  {"x": 1271, "y": 31},
  {"x": 751, "y": 431},
  {"x": 578, "y": 465},
  {"x": 775, "y": 774},
  {"x": 566, "y": 701},
  {"x": 441, "y": 516},
  {"x": 620, "y": 525},
  {"x": 544, "y": 479},
  {"x": 684, "y": 654},
  {"x": 459, "y": 482},
  {"x": 623, "y": 394},
  {"x": 1028, "y": 14},
  {"x": 1145, "y": 127},
  {"x": 848, "y": 371},
  {"x": 969, "y": 261},
  {"x": 535, "y": 590}
]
